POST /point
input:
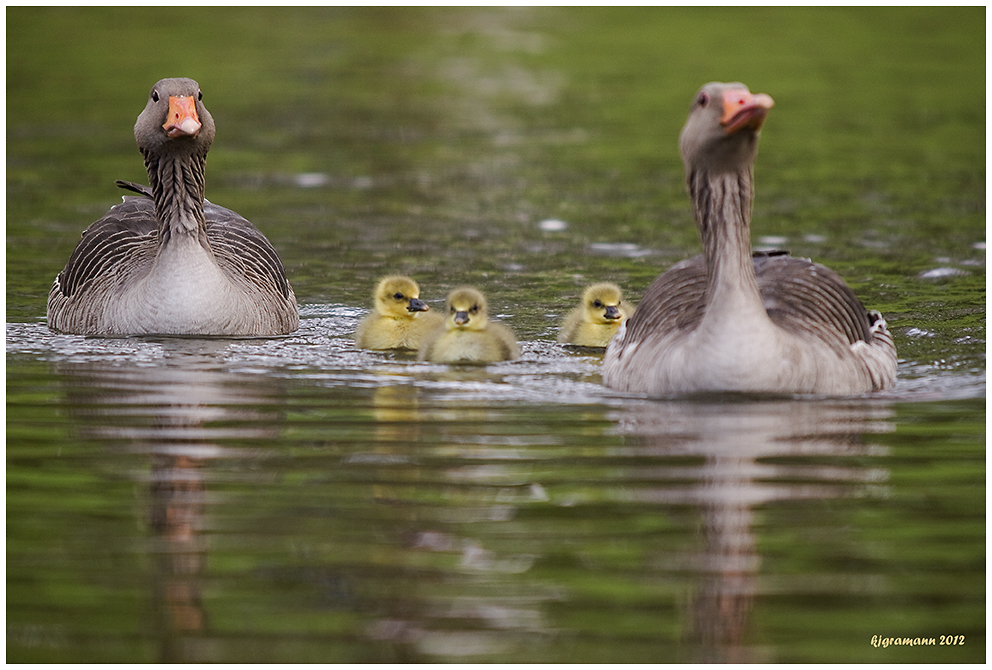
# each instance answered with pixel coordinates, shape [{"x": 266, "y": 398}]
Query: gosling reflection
[
  {"x": 736, "y": 440},
  {"x": 474, "y": 606},
  {"x": 395, "y": 415},
  {"x": 167, "y": 410}
]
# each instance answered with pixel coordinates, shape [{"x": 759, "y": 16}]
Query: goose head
[
  {"x": 466, "y": 310},
  {"x": 602, "y": 303},
  {"x": 174, "y": 120},
  {"x": 398, "y": 297},
  {"x": 721, "y": 133}
]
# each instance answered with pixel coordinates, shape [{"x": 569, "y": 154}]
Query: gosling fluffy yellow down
[
  {"x": 596, "y": 319},
  {"x": 467, "y": 335},
  {"x": 400, "y": 318}
]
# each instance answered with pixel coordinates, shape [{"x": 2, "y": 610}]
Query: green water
[{"x": 298, "y": 500}]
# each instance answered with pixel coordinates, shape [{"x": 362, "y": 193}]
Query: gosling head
[
  {"x": 603, "y": 303},
  {"x": 721, "y": 133},
  {"x": 398, "y": 297},
  {"x": 466, "y": 309}
]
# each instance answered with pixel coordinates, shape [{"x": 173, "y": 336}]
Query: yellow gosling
[
  {"x": 400, "y": 319},
  {"x": 467, "y": 335},
  {"x": 597, "y": 317}
]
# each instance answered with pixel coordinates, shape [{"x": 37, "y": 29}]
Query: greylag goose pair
[
  {"x": 730, "y": 320},
  {"x": 727, "y": 320},
  {"x": 173, "y": 263}
]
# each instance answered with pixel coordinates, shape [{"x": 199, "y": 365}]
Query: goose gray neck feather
[
  {"x": 177, "y": 184},
  {"x": 722, "y": 205}
]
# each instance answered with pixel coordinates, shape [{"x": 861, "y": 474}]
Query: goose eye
[
  {"x": 702, "y": 99},
  {"x": 154, "y": 95},
  {"x": 398, "y": 296},
  {"x": 199, "y": 95}
]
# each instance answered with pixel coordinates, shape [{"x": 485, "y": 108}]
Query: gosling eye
[
  {"x": 702, "y": 99},
  {"x": 154, "y": 95},
  {"x": 398, "y": 296},
  {"x": 597, "y": 303},
  {"x": 475, "y": 308}
]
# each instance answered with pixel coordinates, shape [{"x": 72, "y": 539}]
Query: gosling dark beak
[
  {"x": 612, "y": 312},
  {"x": 417, "y": 305},
  {"x": 461, "y": 318}
]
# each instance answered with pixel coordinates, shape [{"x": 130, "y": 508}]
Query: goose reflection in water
[
  {"x": 168, "y": 411},
  {"x": 420, "y": 522},
  {"x": 740, "y": 452},
  {"x": 742, "y": 445}
]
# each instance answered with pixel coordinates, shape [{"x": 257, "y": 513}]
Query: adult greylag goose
[
  {"x": 730, "y": 320},
  {"x": 467, "y": 335},
  {"x": 399, "y": 320},
  {"x": 173, "y": 263},
  {"x": 597, "y": 317}
]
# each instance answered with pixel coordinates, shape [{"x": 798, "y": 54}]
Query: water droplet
[{"x": 552, "y": 225}]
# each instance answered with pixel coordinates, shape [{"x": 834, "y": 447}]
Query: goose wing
[
  {"x": 805, "y": 297},
  {"x": 799, "y": 296},
  {"x": 243, "y": 251},
  {"x": 127, "y": 230},
  {"x": 675, "y": 302}
]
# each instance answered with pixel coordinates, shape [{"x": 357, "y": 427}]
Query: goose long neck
[
  {"x": 722, "y": 204},
  {"x": 177, "y": 183}
]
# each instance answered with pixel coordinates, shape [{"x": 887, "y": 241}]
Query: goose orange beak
[
  {"x": 182, "y": 119},
  {"x": 743, "y": 109}
]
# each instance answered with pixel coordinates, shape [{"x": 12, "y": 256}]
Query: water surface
[{"x": 298, "y": 500}]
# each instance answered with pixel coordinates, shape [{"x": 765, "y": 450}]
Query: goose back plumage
[{"x": 798, "y": 294}]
